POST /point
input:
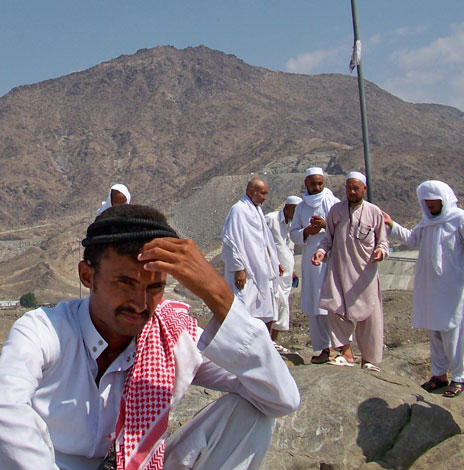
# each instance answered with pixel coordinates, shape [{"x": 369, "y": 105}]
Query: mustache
[{"x": 121, "y": 310}]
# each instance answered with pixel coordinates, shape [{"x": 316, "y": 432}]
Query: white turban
[
  {"x": 293, "y": 200},
  {"x": 356, "y": 175},
  {"x": 315, "y": 170},
  {"x": 107, "y": 204}
]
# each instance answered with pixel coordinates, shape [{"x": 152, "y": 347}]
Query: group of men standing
[
  {"x": 115, "y": 363},
  {"x": 259, "y": 263},
  {"x": 342, "y": 242}
]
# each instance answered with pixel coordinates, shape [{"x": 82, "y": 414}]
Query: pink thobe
[{"x": 351, "y": 286}]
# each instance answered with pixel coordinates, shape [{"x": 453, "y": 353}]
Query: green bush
[{"x": 28, "y": 300}]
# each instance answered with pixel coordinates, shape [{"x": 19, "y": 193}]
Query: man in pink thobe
[{"x": 355, "y": 240}]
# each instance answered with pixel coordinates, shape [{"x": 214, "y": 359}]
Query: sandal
[
  {"x": 280, "y": 348},
  {"x": 454, "y": 389},
  {"x": 341, "y": 361},
  {"x": 433, "y": 384},
  {"x": 323, "y": 357},
  {"x": 371, "y": 367}
]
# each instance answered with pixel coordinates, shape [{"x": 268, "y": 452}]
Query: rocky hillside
[
  {"x": 184, "y": 129},
  {"x": 165, "y": 121}
]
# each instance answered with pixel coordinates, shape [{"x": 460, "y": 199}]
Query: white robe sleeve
[
  {"x": 24, "y": 439},
  {"x": 240, "y": 358},
  {"x": 410, "y": 237},
  {"x": 297, "y": 228},
  {"x": 233, "y": 263}
]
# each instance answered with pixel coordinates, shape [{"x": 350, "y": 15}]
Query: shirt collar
[
  {"x": 282, "y": 216},
  {"x": 93, "y": 340}
]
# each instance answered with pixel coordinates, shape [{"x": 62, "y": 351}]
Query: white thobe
[
  {"x": 279, "y": 229},
  {"x": 438, "y": 299},
  {"x": 312, "y": 276},
  {"x": 247, "y": 244},
  {"x": 53, "y": 415},
  {"x": 438, "y": 303}
]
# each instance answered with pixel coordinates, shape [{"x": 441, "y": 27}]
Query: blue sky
[{"x": 412, "y": 48}]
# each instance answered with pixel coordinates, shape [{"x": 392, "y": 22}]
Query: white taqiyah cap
[
  {"x": 293, "y": 200},
  {"x": 314, "y": 170},
  {"x": 356, "y": 175}
]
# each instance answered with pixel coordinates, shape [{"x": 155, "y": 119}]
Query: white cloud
[
  {"x": 406, "y": 31},
  {"x": 456, "y": 97},
  {"x": 414, "y": 86},
  {"x": 445, "y": 50},
  {"x": 375, "y": 40},
  {"x": 311, "y": 62},
  {"x": 393, "y": 36},
  {"x": 431, "y": 73}
]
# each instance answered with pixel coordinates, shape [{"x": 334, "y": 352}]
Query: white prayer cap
[
  {"x": 314, "y": 170},
  {"x": 293, "y": 200},
  {"x": 356, "y": 175}
]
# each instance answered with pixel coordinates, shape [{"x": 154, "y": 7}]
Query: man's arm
[
  {"x": 182, "y": 259},
  {"x": 24, "y": 438},
  {"x": 381, "y": 242},
  {"x": 326, "y": 243},
  {"x": 297, "y": 228},
  {"x": 240, "y": 358},
  {"x": 299, "y": 232},
  {"x": 395, "y": 230}
]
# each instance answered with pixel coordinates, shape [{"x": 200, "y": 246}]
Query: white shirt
[
  {"x": 285, "y": 246},
  {"x": 438, "y": 298},
  {"x": 312, "y": 276},
  {"x": 48, "y": 392}
]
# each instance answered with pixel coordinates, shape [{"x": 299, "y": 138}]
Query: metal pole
[{"x": 362, "y": 103}]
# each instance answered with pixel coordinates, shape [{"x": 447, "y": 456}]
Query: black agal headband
[{"x": 122, "y": 229}]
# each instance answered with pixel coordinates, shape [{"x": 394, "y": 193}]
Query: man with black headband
[{"x": 96, "y": 377}]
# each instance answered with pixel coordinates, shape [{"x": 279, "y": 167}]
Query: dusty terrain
[{"x": 397, "y": 308}]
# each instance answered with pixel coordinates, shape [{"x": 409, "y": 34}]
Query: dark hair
[{"x": 124, "y": 228}]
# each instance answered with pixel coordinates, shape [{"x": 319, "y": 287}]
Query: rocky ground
[
  {"x": 350, "y": 419},
  {"x": 397, "y": 310}
]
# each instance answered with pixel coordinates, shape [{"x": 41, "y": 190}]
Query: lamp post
[{"x": 362, "y": 103}]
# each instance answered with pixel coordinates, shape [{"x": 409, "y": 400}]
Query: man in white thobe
[
  {"x": 249, "y": 253},
  {"x": 101, "y": 374},
  {"x": 307, "y": 230},
  {"x": 439, "y": 282},
  {"x": 279, "y": 224}
]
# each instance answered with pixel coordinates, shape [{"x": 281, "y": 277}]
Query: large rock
[
  {"x": 349, "y": 417},
  {"x": 354, "y": 419},
  {"x": 448, "y": 455}
]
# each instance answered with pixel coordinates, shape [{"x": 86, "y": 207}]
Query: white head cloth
[
  {"x": 356, "y": 175},
  {"x": 293, "y": 200},
  {"x": 314, "y": 170},
  {"x": 107, "y": 204},
  {"x": 434, "y": 189}
]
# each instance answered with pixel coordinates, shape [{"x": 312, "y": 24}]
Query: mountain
[{"x": 177, "y": 126}]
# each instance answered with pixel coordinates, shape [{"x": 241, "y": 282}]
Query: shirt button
[
  {"x": 128, "y": 359},
  {"x": 94, "y": 349},
  {"x": 100, "y": 342}
]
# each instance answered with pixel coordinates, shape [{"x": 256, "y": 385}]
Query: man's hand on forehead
[{"x": 182, "y": 259}]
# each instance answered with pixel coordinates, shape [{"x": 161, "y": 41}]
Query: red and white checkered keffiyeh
[{"x": 145, "y": 403}]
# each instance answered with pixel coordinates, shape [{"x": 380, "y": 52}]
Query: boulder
[{"x": 354, "y": 419}]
